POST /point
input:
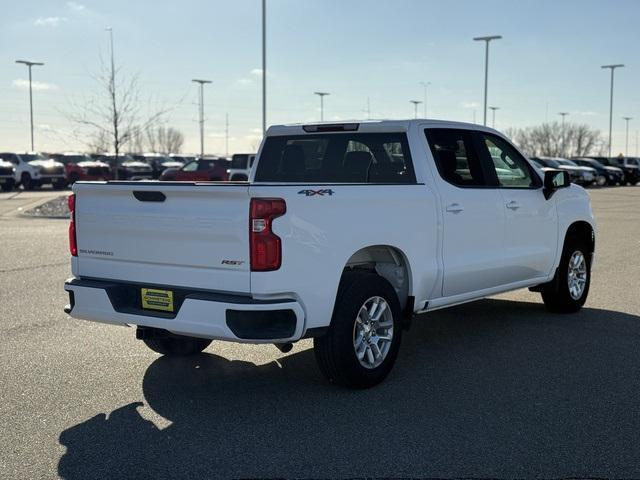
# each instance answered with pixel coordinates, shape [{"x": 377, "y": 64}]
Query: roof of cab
[{"x": 371, "y": 126}]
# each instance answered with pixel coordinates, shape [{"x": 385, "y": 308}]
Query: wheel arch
[
  {"x": 390, "y": 263},
  {"x": 582, "y": 230}
]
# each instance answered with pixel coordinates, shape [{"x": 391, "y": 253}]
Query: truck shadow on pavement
[{"x": 497, "y": 389}]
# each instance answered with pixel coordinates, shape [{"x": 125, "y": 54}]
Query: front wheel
[
  {"x": 173, "y": 345},
  {"x": 362, "y": 343},
  {"x": 568, "y": 290}
]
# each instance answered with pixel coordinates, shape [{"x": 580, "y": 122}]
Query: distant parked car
[
  {"x": 7, "y": 176},
  {"x": 158, "y": 162},
  {"x": 626, "y": 164},
  {"x": 200, "y": 170},
  {"x": 576, "y": 174},
  {"x": 590, "y": 174},
  {"x": 611, "y": 175},
  {"x": 33, "y": 169},
  {"x": 241, "y": 164},
  {"x": 128, "y": 168},
  {"x": 80, "y": 166}
]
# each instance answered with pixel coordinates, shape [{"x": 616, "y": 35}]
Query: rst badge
[{"x": 311, "y": 193}]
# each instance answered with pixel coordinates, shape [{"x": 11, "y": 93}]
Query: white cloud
[
  {"x": 256, "y": 71},
  {"x": 37, "y": 86},
  {"x": 470, "y": 104},
  {"x": 76, "y": 7},
  {"x": 49, "y": 21}
]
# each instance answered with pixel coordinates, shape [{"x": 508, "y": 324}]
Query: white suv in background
[
  {"x": 241, "y": 164},
  {"x": 32, "y": 169}
]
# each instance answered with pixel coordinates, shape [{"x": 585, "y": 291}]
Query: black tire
[
  {"x": 173, "y": 345},
  {"x": 27, "y": 182},
  {"x": 59, "y": 185},
  {"x": 555, "y": 294},
  {"x": 335, "y": 351},
  {"x": 73, "y": 178}
]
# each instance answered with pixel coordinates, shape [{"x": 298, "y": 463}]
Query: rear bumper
[{"x": 200, "y": 314}]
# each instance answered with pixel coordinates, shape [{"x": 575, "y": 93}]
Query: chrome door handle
[
  {"x": 454, "y": 208},
  {"x": 513, "y": 205}
]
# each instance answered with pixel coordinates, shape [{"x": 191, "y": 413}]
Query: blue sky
[{"x": 548, "y": 61}]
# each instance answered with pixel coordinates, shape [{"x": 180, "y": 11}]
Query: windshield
[
  {"x": 239, "y": 161},
  {"x": 29, "y": 157},
  {"x": 66, "y": 159}
]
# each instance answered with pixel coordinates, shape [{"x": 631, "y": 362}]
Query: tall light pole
[
  {"x": 202, "y": 84},
  {"x": 564, "y": 136},
  {"x": 415, "y": 107},
  {"x": 264, "y": 67},
  {"x": 425, "y": 85},
  {"x": 613, "y": 68},
  {"x": 493, "y": 109},
  {"x": 626, "y": 138},
  {"x": 486, "y": 67},
  {"x": 29, "y": 65},
  {"x": 321, "y": 95}
]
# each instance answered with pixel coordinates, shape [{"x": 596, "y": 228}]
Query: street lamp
[
  {"x": 612, "y": 67},
  {"x": 202, "y": 84},
  {"x": 626, "y": 138},
  {"x": 494, "y": 115},
  {"x": 415, "y": 107},
  {"x": 29, "y": 65},
  {"x": 425, "y": 84},
  {"x": 486, "y": 67},
  {"x": 321, "y": 95},
  {"x": 264, "y": 67}
]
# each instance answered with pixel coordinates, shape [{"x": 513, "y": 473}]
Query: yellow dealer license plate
[{"x": 154, "y": 299}]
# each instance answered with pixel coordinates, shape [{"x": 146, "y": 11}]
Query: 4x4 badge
[{"x": 311, "y": 193}]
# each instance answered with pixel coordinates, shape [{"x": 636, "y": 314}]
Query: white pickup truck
[{"x": 343, "y": 233}]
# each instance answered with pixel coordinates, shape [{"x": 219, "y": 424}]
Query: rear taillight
[
  {"x": 73, "y": 245},
  {"x": 266, "y": 247}
]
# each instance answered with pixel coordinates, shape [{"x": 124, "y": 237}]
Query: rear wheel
[
  {"x": 59, "y": 184},
  {"x": 601, "y": 180},
  {"x": 568, "y": 291},
  {"x": 362, "y": 343},
  {"x": 170, "y": 344}
]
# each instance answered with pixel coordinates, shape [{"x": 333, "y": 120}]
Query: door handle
[
  {"x": 513, "y": 205},
  {"x": 454, "y": 208}
]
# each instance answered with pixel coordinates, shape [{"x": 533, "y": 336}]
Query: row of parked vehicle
[
  {"x": 601, "y": 171},
  {"x": 33, "y": 169}
]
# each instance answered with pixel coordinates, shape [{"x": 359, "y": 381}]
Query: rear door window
[
  {"x": 336, "y": 158},
  {"x": 456, "y": 157}
]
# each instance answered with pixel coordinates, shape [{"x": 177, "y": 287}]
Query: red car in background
[
  {"x": 204, "y": 169},
  {"x": 80, "y": 166}
]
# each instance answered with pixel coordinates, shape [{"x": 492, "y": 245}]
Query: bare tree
[
  {"x": 114, "y": 113},
  {"x": 554, "y": 140},
  {"x": 164, "y": 140}
]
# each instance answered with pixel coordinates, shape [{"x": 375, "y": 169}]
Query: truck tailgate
[{"x": 188, "y": 235}]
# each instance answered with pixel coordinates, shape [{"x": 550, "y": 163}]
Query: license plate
[{"x": 154, "y": 299}]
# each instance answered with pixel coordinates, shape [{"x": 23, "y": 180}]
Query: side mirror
[{"x": 553, "y": 180}]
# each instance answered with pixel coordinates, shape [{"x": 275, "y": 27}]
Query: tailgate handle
[{"x": 148, "y": 196}]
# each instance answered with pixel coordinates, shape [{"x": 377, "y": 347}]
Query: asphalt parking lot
[{"x": 495, "y": 389}]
